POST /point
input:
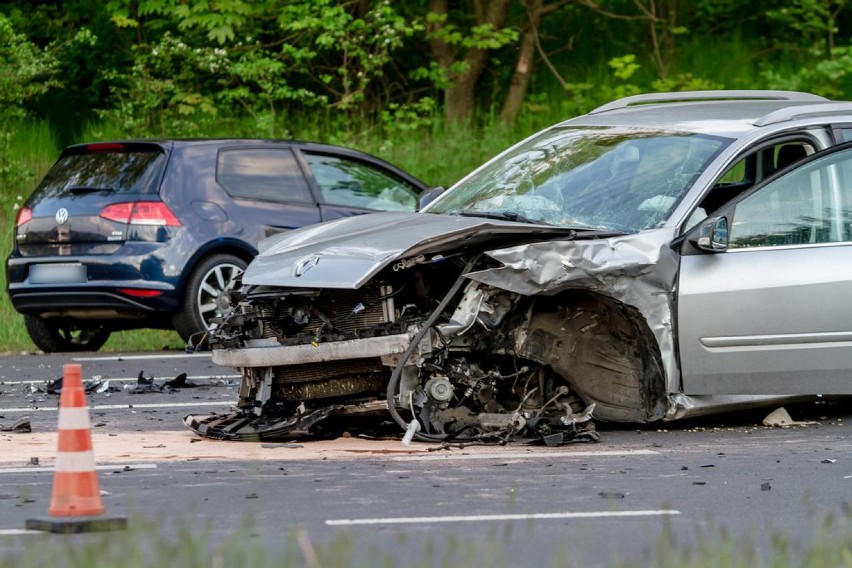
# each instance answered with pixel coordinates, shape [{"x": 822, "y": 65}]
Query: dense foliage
[{"x": 166, "y": 67}]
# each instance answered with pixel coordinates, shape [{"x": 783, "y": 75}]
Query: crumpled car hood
[{"x": 348, "y": 252}]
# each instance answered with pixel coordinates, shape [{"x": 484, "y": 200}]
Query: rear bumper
[
  {"x": 105, "y": 276},
  {"x": 39, "y": 301}
]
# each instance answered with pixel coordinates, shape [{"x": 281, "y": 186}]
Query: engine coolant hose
[{"x": 415, "y": 341}]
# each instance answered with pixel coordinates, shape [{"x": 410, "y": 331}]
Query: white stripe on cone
[
  {"x": 75, "y": 462},
  {"x": 74, "y": 418}
]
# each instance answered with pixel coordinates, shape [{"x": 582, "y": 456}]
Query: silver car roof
[{"x": 730, "y": 118}]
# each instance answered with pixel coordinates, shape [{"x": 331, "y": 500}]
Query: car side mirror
[
  {"x": 712, "y": 235},
  {"x": 428, "y": 196}
]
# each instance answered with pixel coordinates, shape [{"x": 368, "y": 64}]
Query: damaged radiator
[
  {"x": 330, "y": 379},
  {"x": 343, "y": 312}
]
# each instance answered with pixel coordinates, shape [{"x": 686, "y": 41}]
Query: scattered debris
[
  {"x": 180, "y": 382},
  {"x": 765, "y": 486},
  {"x": 145, "y": 385},
  {"x": 780, "y": 418},
  {"x": 610, "y": 495},
  {"x": 22, "y": 424},
  {"x": 55, "y": 387}
]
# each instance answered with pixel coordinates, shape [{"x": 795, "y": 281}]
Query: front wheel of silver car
[
  {"x": 58, "y": 335},
  {"x": 208, "y": 295}
]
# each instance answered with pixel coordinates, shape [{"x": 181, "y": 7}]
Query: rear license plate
[{"x": 57, "y": 273}]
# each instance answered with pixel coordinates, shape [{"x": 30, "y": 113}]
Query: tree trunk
[
  {"x": 460, "y": 96},
  {"x": 523, "y": 66}
]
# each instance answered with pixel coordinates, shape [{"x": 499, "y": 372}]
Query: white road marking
[
  {"x": 16, "y": 532},
  {"x": 105, "y": 467},
  {"x": 206, "y": 355},
  {"x": 483, "y": 518},
  {"x": 538, "y": 455},
  {"x": 128, "y": 406},
  {"x": 130, "y": 379}
]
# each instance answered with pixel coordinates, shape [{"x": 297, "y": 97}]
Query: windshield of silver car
[{"x": 610, "y": 178}]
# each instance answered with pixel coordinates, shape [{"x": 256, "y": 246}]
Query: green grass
[{"x": 147, "y": 543}]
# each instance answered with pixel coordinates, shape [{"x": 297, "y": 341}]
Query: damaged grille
[{"x": 341, "y": 312}]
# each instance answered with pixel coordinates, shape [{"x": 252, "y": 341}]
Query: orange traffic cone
[{"x": 75, "y": 482}]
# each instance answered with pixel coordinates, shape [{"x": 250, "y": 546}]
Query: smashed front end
[
  {"x": 423, "y": 338},
  {"x": 419, "y": 343}
]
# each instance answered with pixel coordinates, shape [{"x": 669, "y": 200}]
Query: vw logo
[
  {"x": 306, "y": 264},
  {"x": 62, "y": 216}
]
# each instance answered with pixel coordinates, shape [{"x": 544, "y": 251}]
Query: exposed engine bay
[{"x": 446, "y": 357}]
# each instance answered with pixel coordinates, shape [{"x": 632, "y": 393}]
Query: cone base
[{"x": 74, "y": 525}]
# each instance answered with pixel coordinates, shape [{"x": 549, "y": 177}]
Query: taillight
[
  {"x": 140, "y": 293},
  {"x": 141, "y": 213},
  {"x": 24, "y": 215}
]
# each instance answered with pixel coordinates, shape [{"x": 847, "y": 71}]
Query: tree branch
[{"x": 600, "y": 10}]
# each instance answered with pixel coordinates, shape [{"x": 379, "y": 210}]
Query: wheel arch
[
  {"x": 603, "y": 348},
  {"x": 235, "y": 247}
]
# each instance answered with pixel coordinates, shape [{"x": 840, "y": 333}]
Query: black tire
[
  {"x": 211, "y": 278},
  {"x": 61, "y": 335}
]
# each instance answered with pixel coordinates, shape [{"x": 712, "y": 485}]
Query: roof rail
[
  {"x": 720, "y": 95},
  {"x": 805, "y": 111}
]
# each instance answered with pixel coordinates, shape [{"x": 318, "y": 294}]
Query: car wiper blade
[
  {"x": 503, "y": 215},
  {"x": 77, "y": 189}
]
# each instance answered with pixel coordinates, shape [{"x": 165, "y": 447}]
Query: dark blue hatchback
[{"x": 125, "y": 235}]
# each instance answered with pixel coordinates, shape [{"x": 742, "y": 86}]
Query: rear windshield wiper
[
  {"x": 503, "y": 215},
  {"x": 77, "y": 189}
]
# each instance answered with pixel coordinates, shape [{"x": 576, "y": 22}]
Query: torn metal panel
[
  {"x": 685, "y": 406},
  {"x": 638, "y": 270}
]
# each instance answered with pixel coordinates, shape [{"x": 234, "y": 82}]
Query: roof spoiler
[{"x": 718, "y": 95}]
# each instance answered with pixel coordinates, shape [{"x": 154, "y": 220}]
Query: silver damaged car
[{"x": 664, "y": 256}]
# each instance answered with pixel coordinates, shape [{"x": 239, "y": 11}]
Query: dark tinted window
[
  {"x": 126, "y": 172},
  {"x": 262, "y": 173},
  {"x": 357, "y": 184}
]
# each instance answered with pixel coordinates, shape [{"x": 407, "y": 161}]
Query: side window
[
  {"x": 843, "y": 134},
  {"x": 738, "y": 173},
  {"x": 356, "y": 184},
  {"x": 807, "y": 206},
  {"x": 269, "y": 174},
  {"x": 749, "y": 170}
]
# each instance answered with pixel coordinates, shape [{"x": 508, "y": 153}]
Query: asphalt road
[{"x": 620, "y": 500}]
